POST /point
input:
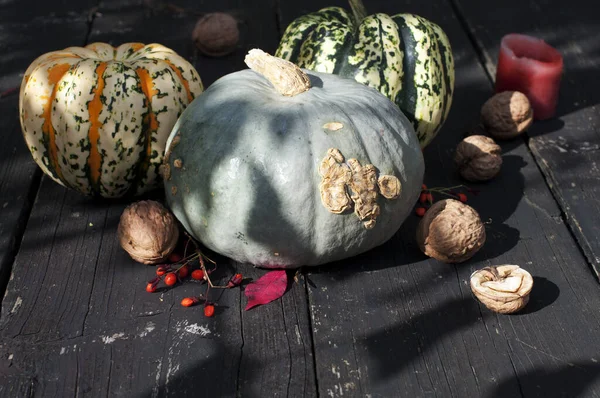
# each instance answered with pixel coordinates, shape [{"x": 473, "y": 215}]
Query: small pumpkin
[
  {"x": 406, "y": 57},
  {"x": 96, "y": 118},
  {"x": 285, "y": 167}
]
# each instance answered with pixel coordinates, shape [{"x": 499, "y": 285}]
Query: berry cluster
[
  {"x": 426, "y": 198},
  {"x": 180, "y": 268}
]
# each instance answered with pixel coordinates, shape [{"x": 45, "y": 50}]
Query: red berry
[
  {"x": 161, "y": 270},
  {"x": 420, "y": 211},
  {"x": 151, "y": 287},
  {"x": 423, "y": 197},
  {"x": 236, "y": 280},
  {"x": 197, "y": 274},
  {"x": 174, "y": 257},
  {"x": 189, "y": 301},
  {"x": 183, "y": 272},
  {"x": 429, "y": 198},
  {"x": 209, "y": 310},
  {"x": 462, "y": 197},
  {"x": 423, "y": 187},
  {"x": 170, "y": 279}
]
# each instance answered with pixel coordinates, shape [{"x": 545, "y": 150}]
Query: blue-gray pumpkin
[{"x": 282, "y": 168}]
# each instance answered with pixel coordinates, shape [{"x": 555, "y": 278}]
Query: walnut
[
  {"x": 216, "y": 34},
  {"x": 148, "y": 232},
  {"x": 507, "y": 114},
  {"x": 478, "y": 158},
  {"x": 450, "y": 231},
  {"x": 504, "y": 288}
]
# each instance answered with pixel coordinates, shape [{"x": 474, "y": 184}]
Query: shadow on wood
[
  {"x": 398, "y": 346},
  {"x": 543, "y": 294},
  {"x": 579, "y": 378}
]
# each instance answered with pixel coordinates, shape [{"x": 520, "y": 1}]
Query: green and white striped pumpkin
[
  {"x": 406, "y": 57},
  {"x": 96, "y": 119}
]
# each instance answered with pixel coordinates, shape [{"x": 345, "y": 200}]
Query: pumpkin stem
[
  {"x": 287, "y": 78},
  {"x": 359, "y": 10}
]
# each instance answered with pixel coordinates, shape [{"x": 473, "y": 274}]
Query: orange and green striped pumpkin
[{"x": 96, "y": 119}]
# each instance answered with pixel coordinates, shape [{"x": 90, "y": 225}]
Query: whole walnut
[
  {"x": 478, "y": 158},
  {"x": 148, "y": 232},
  {"x": 507, "y": 114},
  {"x": 450, "y": 231},
  {"x": 216, "y": 34}
]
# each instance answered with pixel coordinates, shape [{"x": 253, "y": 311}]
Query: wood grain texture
[
  {"x": 18, "y": 11},
  {"x": 76, "y": 319},
  {"x": 77, "y": 301},
  {"x": 171, "y": 24},
  {"x": 21, "y": 42},
  {"x": 567, "y": 148},
  {"x": 19, "y": 176},
  {"x": 393, "y": 323}
]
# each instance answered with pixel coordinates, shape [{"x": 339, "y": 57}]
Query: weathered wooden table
[{"x": 76, "y": 319}]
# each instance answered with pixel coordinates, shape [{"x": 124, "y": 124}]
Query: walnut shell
[
  {"x": 507, "y": 114},
  {"x": 504, "y": 288},
  {"x": 478, "y": 158},
  {"x": 450, "y": 231},
  {"x": 148, "y": 232},
  {"x": 216, "y": 34}
]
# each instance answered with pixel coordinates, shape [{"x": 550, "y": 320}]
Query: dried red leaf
[{"x": 267, "y": 288}]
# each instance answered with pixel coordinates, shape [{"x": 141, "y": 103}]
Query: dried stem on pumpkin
[{"x": 287, "y": 78}]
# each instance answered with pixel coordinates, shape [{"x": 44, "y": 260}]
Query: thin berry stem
[
  {"x": 186, "y": 246},
  {"x": 203, "y": 267},
  {"x": 201, "y": 258},
  {"x": 8, "y": 92},
  {"x": 442, "y": 190}
]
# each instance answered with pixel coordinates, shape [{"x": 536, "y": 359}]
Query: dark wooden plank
[
  {"x": 18, "y": 178},
  {"x": 120, "y": 21},
  {"x": 393, "y": 323},
  {"x": 567, "y": 148},
  {"x": 30, "y": 29},
  {"x": 40, "y": 12},
  {"x": 74, "y": 288},
  {"x": 76, "y": 302},
  {"x": 277, "y": 358},
  {"x": 20, "y": 43}
]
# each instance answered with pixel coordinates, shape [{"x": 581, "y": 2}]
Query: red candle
[{"x": 531, "y": 66}]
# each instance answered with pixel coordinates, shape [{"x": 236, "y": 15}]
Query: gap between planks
[
  {"x": 490, "y": 70},
  {"x": 32, "y": 192}
]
